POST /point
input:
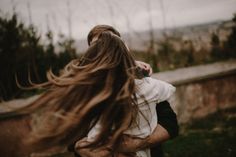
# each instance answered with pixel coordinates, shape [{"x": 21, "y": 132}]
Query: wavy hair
[{"x": 97, "y": 87}]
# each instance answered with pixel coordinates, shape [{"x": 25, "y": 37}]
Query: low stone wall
[{"x": 201, "y": 90}]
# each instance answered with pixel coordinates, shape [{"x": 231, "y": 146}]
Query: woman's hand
[{"x": 145, "y": 67}]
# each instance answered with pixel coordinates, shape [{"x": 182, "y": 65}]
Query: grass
[{"x": 212, "y": 136}]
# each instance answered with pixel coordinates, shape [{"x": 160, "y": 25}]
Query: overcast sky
[{"x": 123, "y": 14}]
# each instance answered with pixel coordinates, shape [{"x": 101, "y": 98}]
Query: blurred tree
[
  {"x": 230, "y": 44},
  {"x": 184, "y": 57},
  {"x": 14, "y": 54},
  {"x": 216, "y": 52},
  {"x": 23, "y": 54},
  {"x": 67, "y": 51},
  {"x": 164, "y": 53}
]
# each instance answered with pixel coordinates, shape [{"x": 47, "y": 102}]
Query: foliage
[
  {"x": 23, "y": 54},
  {"x": 230, "y": 45},
  {"x": 216, "y": 48}
]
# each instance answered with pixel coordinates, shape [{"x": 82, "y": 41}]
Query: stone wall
[{"x": 201, "y": 90}]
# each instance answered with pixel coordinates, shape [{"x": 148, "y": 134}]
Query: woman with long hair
[
  {"x": 141, "y": 100},
  {"x": 101, "y": 96}
]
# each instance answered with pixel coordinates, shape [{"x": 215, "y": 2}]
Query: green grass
[{"x": 213, "y": 136}]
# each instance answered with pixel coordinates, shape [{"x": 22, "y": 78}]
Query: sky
[{"x": 125, "y": 15}]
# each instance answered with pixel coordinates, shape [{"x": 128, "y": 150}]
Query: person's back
[
  {"x": 154, "y": 91},
  {"x": 149, "y": 92}
]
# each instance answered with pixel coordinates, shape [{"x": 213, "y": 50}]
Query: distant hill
[{"x": 139, "y": 40}]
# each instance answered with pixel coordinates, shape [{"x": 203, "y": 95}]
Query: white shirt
[{"x": 154, "y": 91}]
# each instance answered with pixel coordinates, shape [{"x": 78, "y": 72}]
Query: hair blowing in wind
[{"x": 97, "y": 87}]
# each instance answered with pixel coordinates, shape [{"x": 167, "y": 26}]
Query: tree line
[{"x": 23, "y": 54}]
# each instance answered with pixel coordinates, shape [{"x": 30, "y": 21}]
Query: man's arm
[
  {"x": 129, "y": 144},
  {"x": 167, "y": 118},
  {"x": 167, "y": 128}
]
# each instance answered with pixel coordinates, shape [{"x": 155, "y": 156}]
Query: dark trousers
[{"x": 157, "y": 151}]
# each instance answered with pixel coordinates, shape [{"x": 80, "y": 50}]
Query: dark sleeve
[{"x": 167, "y": 118}]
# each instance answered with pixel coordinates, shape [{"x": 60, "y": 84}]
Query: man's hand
[
  {"x": 145, "y": 67},
  {"x": 134, "y": 144},
  {"x": 131, "y": 144},
  {"x": 88, "y": 152},
  {"x": 158, "y": 136},
  {"x": 101, "y": 152}
]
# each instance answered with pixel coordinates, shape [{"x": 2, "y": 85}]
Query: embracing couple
[
  {"x": 103, "y": 104},
  {"x": 152, "y": 120}
]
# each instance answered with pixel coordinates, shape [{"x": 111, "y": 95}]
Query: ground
[{"x": 212, "y": 136}]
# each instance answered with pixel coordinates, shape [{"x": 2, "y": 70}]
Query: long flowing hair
[{"x": 97, "y": 87}]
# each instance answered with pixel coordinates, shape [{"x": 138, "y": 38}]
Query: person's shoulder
[
  {"x": 155, "y": 89},
  {"x": 153, "y": 82}
]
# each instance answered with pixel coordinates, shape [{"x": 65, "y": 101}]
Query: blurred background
[{"x": 189, "y": 43}]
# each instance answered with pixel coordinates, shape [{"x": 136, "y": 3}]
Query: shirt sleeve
[
  {"x": 167, "y": 118},
  {"x": 154, "y": 90}
]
